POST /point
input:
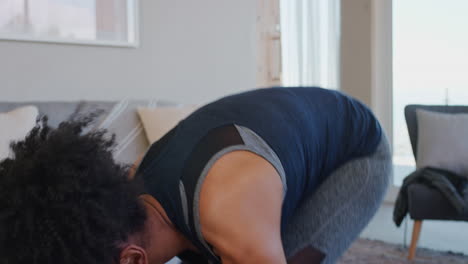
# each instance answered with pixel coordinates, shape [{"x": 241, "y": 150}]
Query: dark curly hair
[{"x": 63, "y": 198}]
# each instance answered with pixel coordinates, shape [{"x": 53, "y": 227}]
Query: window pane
[
  {"x": 103, "y": 20},
  {"x": 430, "y": 62},
  {"x": 11, "y": 15}
]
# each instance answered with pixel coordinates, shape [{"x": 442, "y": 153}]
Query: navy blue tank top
[{"x": 311, "y": 130}]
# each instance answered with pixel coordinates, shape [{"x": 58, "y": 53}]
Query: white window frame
[
  {"x": 382, "y": 81},
  {"x": 133, "y": 44}
]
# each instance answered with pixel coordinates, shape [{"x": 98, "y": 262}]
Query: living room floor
[{"x": 437, "y": 235}]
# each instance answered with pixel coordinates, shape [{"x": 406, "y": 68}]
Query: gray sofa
[{"x": 119, "y": 118}]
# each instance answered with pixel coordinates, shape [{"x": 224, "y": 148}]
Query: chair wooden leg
[{"x": 414, "y": 240}]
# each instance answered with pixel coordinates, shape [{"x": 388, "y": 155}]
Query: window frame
[{"x": 71, "y": 41}]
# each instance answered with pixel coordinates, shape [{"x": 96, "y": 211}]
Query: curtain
[{"x": 310, "y": 36}]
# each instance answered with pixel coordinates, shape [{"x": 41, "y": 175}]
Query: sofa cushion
[
  {"x": 158, "y": 121},
  {"x": 442, "y": 141},
  {"x": 421, "y": 195},
  {"x": 15, "y": 125}
]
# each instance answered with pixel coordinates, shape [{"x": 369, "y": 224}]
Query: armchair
[{"x": 426, "y": 203}]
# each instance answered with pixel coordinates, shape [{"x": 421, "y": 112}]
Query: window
[
  {"x": 310, "y": 35},
  {"x": 105, "y": 22},
  {"x": 430, "y": 64}
]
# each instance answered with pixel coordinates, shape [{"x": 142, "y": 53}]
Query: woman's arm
[{"x": 240, "y": 210}]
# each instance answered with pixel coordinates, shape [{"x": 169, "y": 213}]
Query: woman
[{"x": 281, "y": 175}]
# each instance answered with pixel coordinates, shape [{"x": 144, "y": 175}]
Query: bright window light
[{"x": 430, "y": 64}]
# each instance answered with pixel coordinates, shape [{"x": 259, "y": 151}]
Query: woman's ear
[{"x": 133, "y": 254}]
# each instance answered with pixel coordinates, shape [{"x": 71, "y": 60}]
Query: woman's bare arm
[{"x": 240, "y": 210}]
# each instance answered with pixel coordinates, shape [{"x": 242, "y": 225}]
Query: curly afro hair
[{"x": 63, "y": 198}]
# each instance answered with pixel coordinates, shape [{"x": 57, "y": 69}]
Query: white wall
[
  {"x": 190, "y": 51},
  {"x": 356, "y": 49}
]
